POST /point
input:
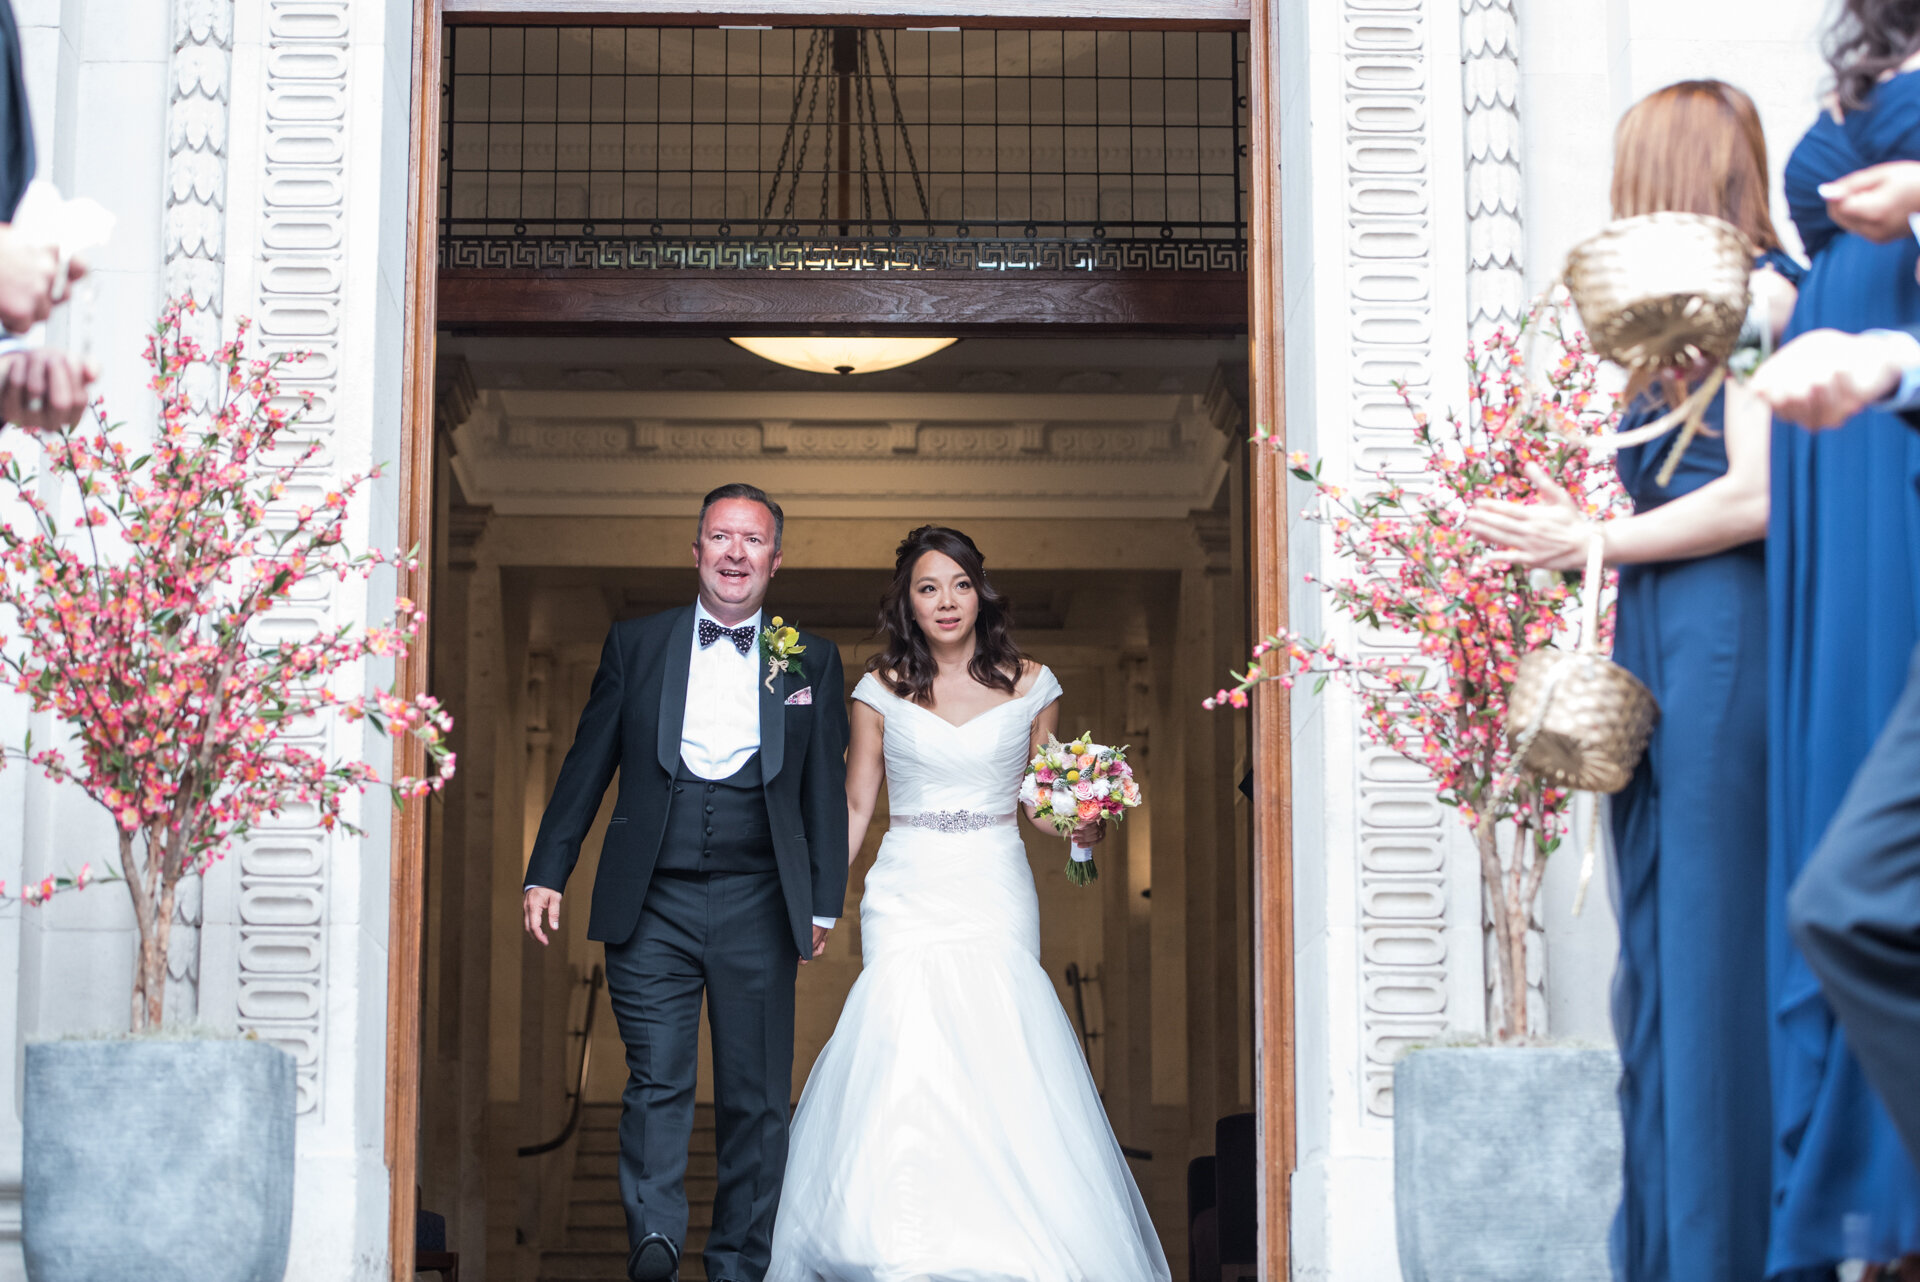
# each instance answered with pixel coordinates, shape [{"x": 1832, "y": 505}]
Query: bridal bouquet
[{"x": 1070, "y": 784}]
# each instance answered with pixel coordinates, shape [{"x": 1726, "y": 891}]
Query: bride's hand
[{"x": 1091, "y": 833}]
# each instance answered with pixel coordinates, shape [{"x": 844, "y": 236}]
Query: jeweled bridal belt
[{"x": 951, "y": 820}]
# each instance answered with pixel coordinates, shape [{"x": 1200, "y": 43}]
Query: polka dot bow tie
[{"x": 742, "y": 636}]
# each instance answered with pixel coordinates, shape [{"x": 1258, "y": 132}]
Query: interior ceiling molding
[{"x": 882, "y": 454}]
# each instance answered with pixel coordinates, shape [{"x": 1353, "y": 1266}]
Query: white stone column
[
  {"x": 316, "y": 234},
  {"x": 1386, "y": 914}
]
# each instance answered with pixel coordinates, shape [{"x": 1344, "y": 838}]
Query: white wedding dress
[{"x": 950, "y": 1131}]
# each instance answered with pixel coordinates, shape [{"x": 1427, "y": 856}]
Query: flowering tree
[
  {"x": 1467, "y": 618},
  {"x": 146, "y": 593}
]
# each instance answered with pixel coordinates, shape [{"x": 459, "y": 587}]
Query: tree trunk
[
  {"x": 1510, "y": 956},
  {"x": 153, "y": 916}
]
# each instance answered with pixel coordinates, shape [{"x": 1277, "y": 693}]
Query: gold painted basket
[
  {"x": 1594, "y": 725},
  {"x": 1576, "y": 718},
  {"x": 1662, "y": 291}
]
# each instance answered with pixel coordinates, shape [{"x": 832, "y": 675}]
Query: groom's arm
[
  {"x": 584, "y": 775},
  {"x": 823, "y": 787}
]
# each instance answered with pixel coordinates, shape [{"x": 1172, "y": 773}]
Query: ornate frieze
[
  {"x": 283, "y": 867},
  {"x": 1401, "y": 835}
]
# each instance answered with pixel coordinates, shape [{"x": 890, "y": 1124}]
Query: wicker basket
[
  {"x": 1662, "y": 291},
  {"x": 1594, "y": 727},
  {"x": 1576, "y": 718}
]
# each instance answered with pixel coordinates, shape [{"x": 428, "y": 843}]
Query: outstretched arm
[
  {"x": 866, "y": 765},
  {"x": 1724, "y": 513},
  {"x": 584, "y": 777}
]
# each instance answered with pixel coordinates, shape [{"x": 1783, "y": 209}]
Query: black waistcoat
[{"x": 718, "y": 825}]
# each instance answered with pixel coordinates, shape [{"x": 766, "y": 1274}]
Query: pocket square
[{"x": 801, "y": 698}]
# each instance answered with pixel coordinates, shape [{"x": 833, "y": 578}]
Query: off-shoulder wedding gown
[{"x": 950, "y": 1130}]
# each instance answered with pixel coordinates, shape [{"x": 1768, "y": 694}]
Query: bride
[{"x": 950, "y": 1131}]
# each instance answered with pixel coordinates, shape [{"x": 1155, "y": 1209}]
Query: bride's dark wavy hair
[
  {"x": 1870, "y": 39},
  {"x": 905, "y": 662}
]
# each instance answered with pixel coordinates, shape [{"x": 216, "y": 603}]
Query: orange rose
[{"x": 1089, "y": 809}]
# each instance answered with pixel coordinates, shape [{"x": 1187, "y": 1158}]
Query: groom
[{"x": 724, "y": 866}]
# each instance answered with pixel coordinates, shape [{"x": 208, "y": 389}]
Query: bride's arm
[{"x": 865, "y": 767}]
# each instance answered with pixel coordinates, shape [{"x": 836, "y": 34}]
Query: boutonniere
[{"x": 780, "y": 647}]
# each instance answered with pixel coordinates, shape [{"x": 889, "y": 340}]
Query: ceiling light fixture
[{"x": 844, "y": 355}]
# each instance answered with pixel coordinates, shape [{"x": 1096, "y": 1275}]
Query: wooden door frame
[{"x": 1271, "y": 737}]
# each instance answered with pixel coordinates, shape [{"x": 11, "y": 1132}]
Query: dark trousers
[
  {"x": 1855, "y": 914},
  {"x": 724, "y": 935}
]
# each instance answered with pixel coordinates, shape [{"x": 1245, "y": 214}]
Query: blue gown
[
  {"x": 1690, "y": 993},
  {"x": 1843, "y": 577}
]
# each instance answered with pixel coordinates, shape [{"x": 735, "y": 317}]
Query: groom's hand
[
  {"x": 820, "y": 934},
  {"x": 541, "y": 902}
]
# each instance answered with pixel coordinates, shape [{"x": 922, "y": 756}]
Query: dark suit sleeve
[
  {"x": 823, "y": 787},
  {"x": 584, "y": 775}
]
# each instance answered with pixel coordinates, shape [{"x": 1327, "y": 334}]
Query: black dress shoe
[{"x": 656, "y": 1259}]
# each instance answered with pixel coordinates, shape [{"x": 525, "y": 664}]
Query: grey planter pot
[
  {"x": 1506, "y": 1164},
  {"x": 167, "y": 1161}
]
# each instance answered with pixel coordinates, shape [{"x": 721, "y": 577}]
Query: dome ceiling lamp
[
  {"x": 839, "y": 67},
  {"x": 844, "y": 355}
]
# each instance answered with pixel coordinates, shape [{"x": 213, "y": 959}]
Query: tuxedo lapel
[
  {"x": 675, "y": 661},
  {"x": 773, "y": 723}
]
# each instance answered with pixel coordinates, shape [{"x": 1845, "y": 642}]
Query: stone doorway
[{"x": 1102, "y": 479}]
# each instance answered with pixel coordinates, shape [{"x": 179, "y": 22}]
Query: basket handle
[{"x": 1591, "y": 585}]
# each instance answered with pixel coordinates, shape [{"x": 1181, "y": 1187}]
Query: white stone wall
[
  {"x": 254, "y": 152},
  {"x": 1375, "y": 198},
  {"x": 1388, "y": 100}
]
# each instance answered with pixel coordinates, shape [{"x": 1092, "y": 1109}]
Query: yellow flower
[
  {"x": 1073, "y": 776},
  {"x": 777, "y": 620}
]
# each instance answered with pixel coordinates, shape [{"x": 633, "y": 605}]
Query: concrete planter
[
  {"x": 1506, "y": 1164},
  {"x": 167, "y": 1161}
]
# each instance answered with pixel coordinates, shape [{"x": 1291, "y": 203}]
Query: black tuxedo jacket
[{"x": 633, "y": 720}]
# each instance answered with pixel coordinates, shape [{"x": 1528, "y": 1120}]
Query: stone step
[
  {"x": 594, "y": 1212},
  {"x": 606, "y": 1166},
  {"x": 606, "y": 1117},
  {"x": 564, "y": 1264},
  {"x": 607, "y": 1144}
]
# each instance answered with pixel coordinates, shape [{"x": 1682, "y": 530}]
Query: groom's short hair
[{"x": 753, "y": 494}]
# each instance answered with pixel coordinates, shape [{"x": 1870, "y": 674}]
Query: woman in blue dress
[
  {"x": 1690, "y": 997},
  {"x": 1843, "y": 554}
]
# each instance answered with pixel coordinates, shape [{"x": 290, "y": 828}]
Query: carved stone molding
[
  {"x": 197, "y": 156},
  {"x": 466, "y": 525},
  {"x": 561, "y": 452},
  {"x": 300, "y": 261},
  {"x": 1401, "y": 838},
  {"x": 454, "y": 394},
  {"x": 1490, "y": 66}
]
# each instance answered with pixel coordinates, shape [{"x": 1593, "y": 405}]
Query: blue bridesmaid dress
[
  {"x": 1690, "y": 993},
  {"x": 1843, "y": 577}
]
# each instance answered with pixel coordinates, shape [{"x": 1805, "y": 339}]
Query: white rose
[
  {"x": 1062, "y": 802},
  {"x": 1030, "y": 791},
  {"x": 1101, "y": 788}
]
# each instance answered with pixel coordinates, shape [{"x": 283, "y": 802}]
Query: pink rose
[{"x": 1083, "y": 791}]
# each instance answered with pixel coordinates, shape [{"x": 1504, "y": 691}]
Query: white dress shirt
[
  {"x": 722, "y": 728},
  {"x": 722, "y": 725}
]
